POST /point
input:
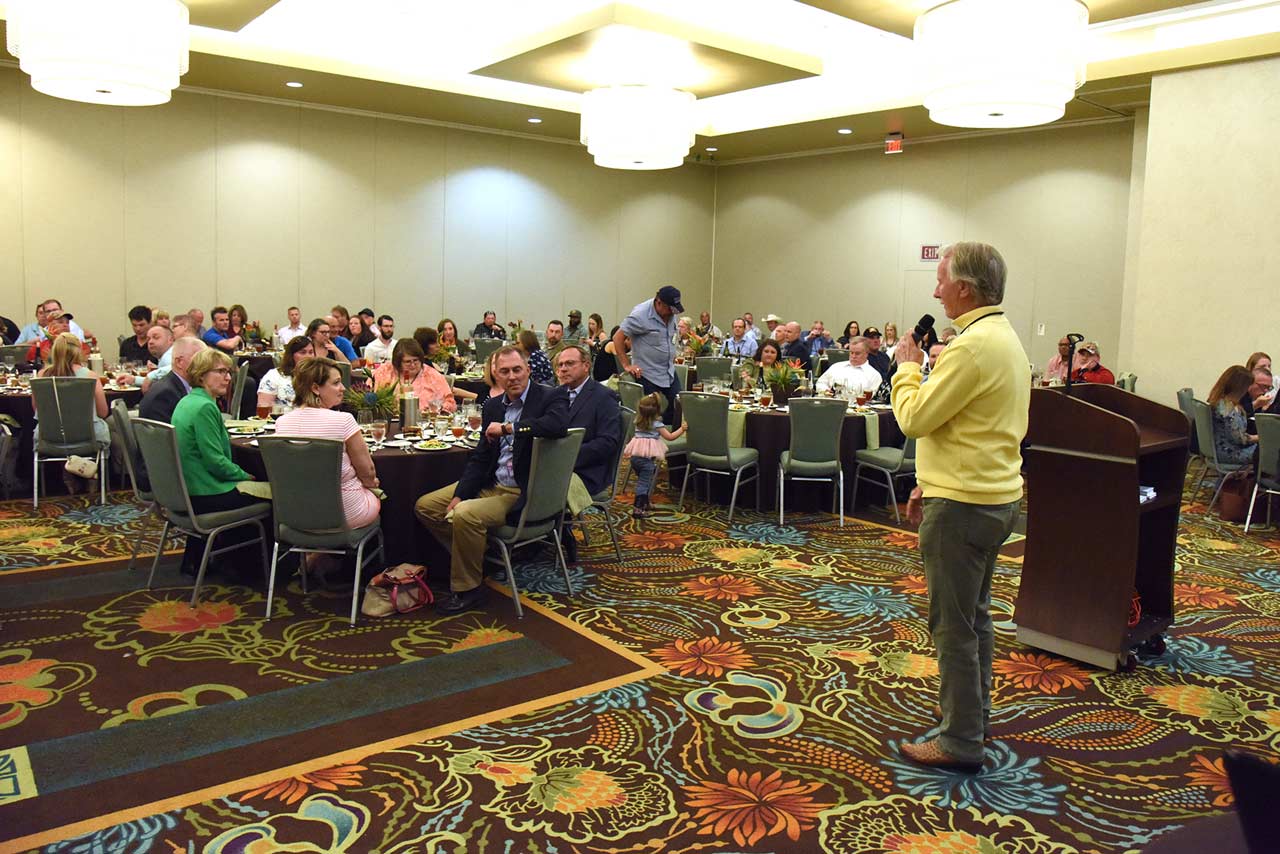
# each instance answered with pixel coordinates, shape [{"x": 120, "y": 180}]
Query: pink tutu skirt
[{"x": 654, "y": 449}]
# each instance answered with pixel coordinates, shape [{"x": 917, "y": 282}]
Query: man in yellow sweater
[{"x": 969, "y": 421}]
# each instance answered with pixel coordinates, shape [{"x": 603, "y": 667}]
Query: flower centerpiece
[
  {"x": 378, "y": 398},
  {"x": 747, "y": 375},
  {"x": 445, "y": 357},
  {"x": 253, "y": 335},
  {"x": 782, "y": 377},
  {"x": 517, "y": 326},
  {"x": 699, "y": 345}
]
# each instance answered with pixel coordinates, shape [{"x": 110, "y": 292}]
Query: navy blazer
[
  {"x": 545, "y": 415},
  {"x": 162, "y": 398},
  {"x": 596, "y": 409}
]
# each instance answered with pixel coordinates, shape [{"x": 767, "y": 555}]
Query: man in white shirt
[
  {"x": 855, "y": 375},
  {"x": 293, "y": 330},
  {"x": 379, "y": 349}
]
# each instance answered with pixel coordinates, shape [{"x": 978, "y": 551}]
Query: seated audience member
[
  {"x": 57, "y": 322},
  {"x": 555, "y": 340},
  {"x": 134, "y": 349},
  {"x": 358, "y": 333},
  {"x": 769, "y": 354},
  {"x": 448, "y": 331},
  {"x": 740, "y": 345},
  {"x": 204, "y": 447},
  {"x": 1231, "y": 440},
  {"x": 490, "y": 492},
  {"x": 606, "y": 363},
  {"x": 369, "y": 318},
  {"x": 596, "y": 337},
  {"x": 439, "y": 361},
  {"x": 931, "y": 361},
  {"x": 415, "y": 373},
  {"x": 340, "y": 321},
  {"x": 793, "y": 347},
  {"x": 575, "y": 331},
  {"x": 238, "y": 317},
  {"x": 1262, "y": 360},
  {"x": 851, "y": 331},
  {"x": 1057, "y": 366},
  {"x": 320, "y": 331},
  {"x": 948, "y": 332},
  {"x": 161, "y": 318},
  {"x": 817, "y": 339},
  {"x": 594, "y": 407},
  {"x": 220, "y": 336},
  {"x": 706, "y": 328},
  {"x": 378, "y": 351},
  {"x": 159, "y": 401},
  {"x": 771, "y": 323},
  {"x": 683, "y": 327},
  {"x": 1260, "y": 397},
  {"x": 318, "y": 384},
  {"x": 159, "y": 343},
  {"x": 66, "y": 359},
  {"x": 285, "y": 334},
  {"x": 277, "y": 388},
  {"x": 52, "y": 306},
  {"x": 889, "y": 341},
  {"x": 197, "y": 322},
  {"x": 340, "y": 344},
  {"x": 876, "y": 357},
  {"x": 1087, "y": 368},
  {"x": 855, "y": 375},
  {"x": 33, "y": 331},
  {"x": 9, "y": 331},
  {"x": 751, "y": 327},
  {"x": 489, "y": 328},
  {"x": 539, "y": 364}
]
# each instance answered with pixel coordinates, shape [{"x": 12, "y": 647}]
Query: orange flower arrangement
[
  {"x": 754, "y": 806},
  {"x": 704, "y": 656},
  {"x": 292, "y": 789},
  {"x": 1200, "y": 596},
  {"x": 171, "y": 616},
  {"x": 728, "y": 587},
  {"x": 1212, "y": 773},
  {"x": 1042, "y": 673}
]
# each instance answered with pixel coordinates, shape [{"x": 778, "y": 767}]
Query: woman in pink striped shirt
[{"x": 318, "y": 387}]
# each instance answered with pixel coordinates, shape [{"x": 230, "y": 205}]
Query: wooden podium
[{"x": 1090, "y": 543}]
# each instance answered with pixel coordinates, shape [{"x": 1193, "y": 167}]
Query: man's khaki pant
[{"x": 466, "y": 534}]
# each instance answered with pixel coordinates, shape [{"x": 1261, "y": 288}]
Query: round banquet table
[{"x": 405, "y": 477}]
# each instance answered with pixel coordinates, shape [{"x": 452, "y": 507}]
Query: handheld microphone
[{"x": 922, "y": 328}]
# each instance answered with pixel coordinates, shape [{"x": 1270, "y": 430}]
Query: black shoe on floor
[
  {"x": 570, "y": 545},
  {"x": 463, "y": 600}
]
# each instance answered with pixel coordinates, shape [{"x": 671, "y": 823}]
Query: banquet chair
[
  {"x": 237, "y": 392},
  {"x": 630, "y": 393},
  {"x": 1209, "y": 452},
  {"x": 550, "y": 471},
  {"x": 65, "y": 427},
  {"x": 7, "y": 451},
  {"x": 815, "y": 449},
  {"x": 306, "y": 491},
  {"x": 1186, "y": 398},
  {"x": 1128, "y": 381},
  {"x": 133, "y": 465},
  {"x": 158, "y": 443},
  {"x": 715, "y": 368},
  {"x": 13, "y": 354},
  {"x": 1268, "y": 464},
  {"x": 344, "y": 369},
  {"x": 833, "y": 356},
  {"x": 485, "y": 347},
  {"x": 602, "y": 501},
  {"x": 893, "y": 463},
  {"x": 708, "y": 445}
]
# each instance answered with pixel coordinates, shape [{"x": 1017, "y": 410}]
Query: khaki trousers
[{"x": 466, "y": 534}]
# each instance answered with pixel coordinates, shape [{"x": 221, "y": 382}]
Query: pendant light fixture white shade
[
  {"x": 1001, "y": 63},
  {"x": 122, "y": 52},
  {"x": 637, "y": 127}
]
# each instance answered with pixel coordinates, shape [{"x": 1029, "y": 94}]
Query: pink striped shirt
[{"x": 360, "y": 505}]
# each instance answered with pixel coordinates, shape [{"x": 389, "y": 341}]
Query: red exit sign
[{"x": 929, "y": 253}]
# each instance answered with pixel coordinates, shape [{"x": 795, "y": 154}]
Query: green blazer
[{"x": 204, "y": 446}]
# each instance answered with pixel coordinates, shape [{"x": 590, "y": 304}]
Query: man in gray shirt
[{"x": 651, "y": 362}]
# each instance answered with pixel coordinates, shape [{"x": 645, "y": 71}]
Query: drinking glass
[
  {"x": 264, "y": 411},
  {"x": 364, "y": 418},
  {"x": 459, "y": 426},
  {"x": 379, "y": 430},
  {"x": 474, "y": 417}
]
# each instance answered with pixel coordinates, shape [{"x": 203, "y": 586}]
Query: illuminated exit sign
[
  {"x": 893, "y": 143},
  {"x": 929, "y": 253}
]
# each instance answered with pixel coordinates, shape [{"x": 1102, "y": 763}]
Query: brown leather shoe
[
  {"x": 930, "y": 753},
  {"x": 986, "y": 727}
]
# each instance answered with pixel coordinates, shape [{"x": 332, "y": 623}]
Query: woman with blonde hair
[
  {"x": 889, "y": 339},
  {"x": 66, "y": 359},
  {"x": 1234, "y": 444}
]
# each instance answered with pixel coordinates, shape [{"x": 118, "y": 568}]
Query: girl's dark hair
[
  {"x": 648, "y": 410},
  {"x": 528, "y": 341},
  {"x": 426, "y": 338},
  {"x": 777, "y": 349},
  {"x": 1231, "y": 386},
  {"x": 407, "y": 347},
  {"x": 289, "y": 361}
]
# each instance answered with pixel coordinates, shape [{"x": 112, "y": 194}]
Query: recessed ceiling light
[
  {"x": 294, "y": 84},
  {"x": 535, "y": 120},
  {"x": 712, "y": 148},
  {"x": 845, "y": 131}
]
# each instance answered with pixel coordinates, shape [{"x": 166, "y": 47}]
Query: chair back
[
  {"x": 66, "y": 407},
  {"x": 627, "y": 429},
  {"x": 158, "y": 444},
  {"x": 485, "y": 347},
  {"x": 1268, "y": 447},
  {"x": 630, "y": 393},
  {"x": 1204, "y": 431},
  {"x": 1127, "y": 381},
  {"x": 15, "y": 354},
  {"x": 708, "y": 419},
  {"x": 1185, "y": 402},
  {"x": 344, "y": 369},
  {"x": 833, "y": 356},
  {"x": 132, "y": 458},
  {"x": 908, "y": 451},
  {"x": 305, "y": 476},
  {"x": 550, "y": 469},
  {"x": 714, "y": 368},
  {"x": 237, "y": 391},
  {"x": 816, "y": 424}
]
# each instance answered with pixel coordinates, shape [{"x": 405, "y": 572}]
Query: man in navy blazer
[
  {"x": 162, "y": 398},
  {"x": 490, "y": 492},
  {"x": 595, "y": 408}
]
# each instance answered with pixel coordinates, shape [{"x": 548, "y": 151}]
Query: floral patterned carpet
[{"x": 797, "y": 660}]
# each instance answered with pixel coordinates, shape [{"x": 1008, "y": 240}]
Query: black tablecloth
[{"x": 405, "y": 477}]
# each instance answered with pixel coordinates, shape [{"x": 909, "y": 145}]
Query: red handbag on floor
[{"x": 397, "y": 590}]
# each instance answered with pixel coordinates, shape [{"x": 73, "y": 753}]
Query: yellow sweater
[{"x": 970, "y": 417}]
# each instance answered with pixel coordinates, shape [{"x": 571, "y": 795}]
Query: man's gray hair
[
  {"x": 188, "y": 345},
  {"x": 858, "y": 339},
  {"x": 982, "y": 266},
  {"x": 582, "y": 351}
]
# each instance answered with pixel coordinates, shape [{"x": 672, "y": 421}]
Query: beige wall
[
  {"x": 217, "y": 200},
  {"x": 838, "y": 237},
  {"x": 1210, "y": 216}
]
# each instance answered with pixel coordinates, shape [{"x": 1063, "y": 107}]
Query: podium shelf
[
  {"x": 1152, "y": 439},
  {"x": 1160, "y": 502}
]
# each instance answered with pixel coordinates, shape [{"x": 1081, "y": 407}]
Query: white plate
[
  {"x": 246, "y": 431},
  {"x": 422, "y": 446},
  {"x": 397, "y": 443}
]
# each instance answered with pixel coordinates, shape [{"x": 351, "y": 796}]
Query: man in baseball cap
[
  {"x": 574, "y": 332},
  {"x": 650, "y": 359},
  {"x": 671, "y": 296}
]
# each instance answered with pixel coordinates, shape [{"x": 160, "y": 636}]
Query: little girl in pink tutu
[{"x": 646, "y": 450}]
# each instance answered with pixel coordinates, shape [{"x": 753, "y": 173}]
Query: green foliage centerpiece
[{"x": 378, "y": 398}]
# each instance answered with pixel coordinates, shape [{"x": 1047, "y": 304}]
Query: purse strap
[
  {"x": 57, "y": 402},
  {"x": 427, "y": 596}
]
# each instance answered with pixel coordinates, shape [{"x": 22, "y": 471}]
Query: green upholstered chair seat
[
  {"x": 320, "y": 540},
  {"x": 886, "y": 458},
  {"x": 531, "y": 531},
  {"x": 737, "y": 458},
  {"x": 677, "y": 446},
  {"x": 209, "y": 521},
  {"x": 804, "y": 468},
  {"x": 56, "y": 449}
]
